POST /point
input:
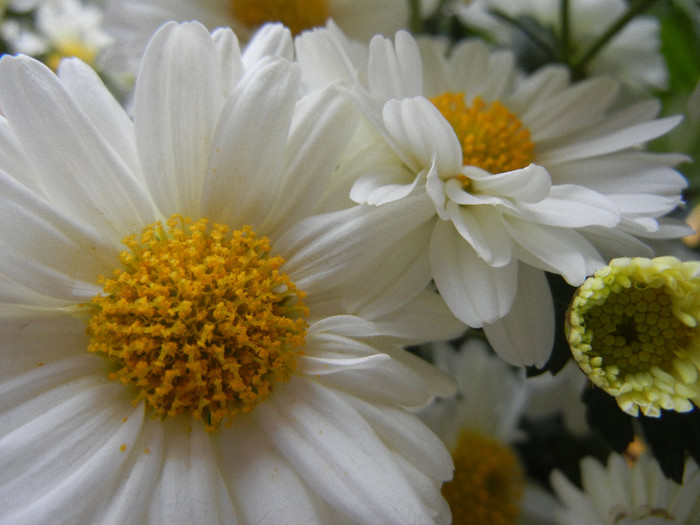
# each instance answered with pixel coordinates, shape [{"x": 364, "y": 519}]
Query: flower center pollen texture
[
  {"x": 199, "y": 320},
  {"x": 492, "y": 138},
  {"x": 488, "y": 482},
  {"x": 297, "y": 15},
  {"x": 633, "y": 329}
]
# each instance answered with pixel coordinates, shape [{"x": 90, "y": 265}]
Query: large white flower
[
  {"x": 628, "y": 494},
  {"x": 524, "y": 175},
  {"x": 132, "y": 22},
  {"x": 253, "y": 375}
]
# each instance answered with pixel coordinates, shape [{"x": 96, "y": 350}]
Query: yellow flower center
[
  {"x": 70, "y": 48},
  {"x": 199, "y": 320},
  {"x": 488, "y": 482},
  {"x": 633, "y": 329},
  {"x": 297, "y": 15},
  {"x": 492, "y": 137}
]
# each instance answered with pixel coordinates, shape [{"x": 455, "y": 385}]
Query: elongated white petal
[
  {"x": 190, "y": 487},
  {"x": 421, "y": 134},
  {"x": 175, "y": 114},
  {"x": 79, "y": 169},
  {"x": 322, "y": 251},
  {"x": 473, "y": 290},
  {"x": 318, "y": 432},
  {"x": 524, "y": 337},
  {"x": 570, "y": 206},
  {"x": 268, "y": 490},
  {"x": 247, "y": 152}
]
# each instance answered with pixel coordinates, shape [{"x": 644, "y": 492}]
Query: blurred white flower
[
  {"x": 632, "y": 57},
  {"x": 62, "y": 28},
  {"x": 480, "y": 427},
  {"x": 627, "y": 494},
  {"x": 132, "y": 22}
]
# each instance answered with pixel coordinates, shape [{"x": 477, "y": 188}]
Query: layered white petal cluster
[{"x": 525, "y": 174}]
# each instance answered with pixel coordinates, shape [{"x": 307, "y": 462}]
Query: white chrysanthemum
[
  {"x": 480, "y": 427},
  {"x": 266, "y": 357},
  {"x": 63, "y": 28},
  {"x": 524, "y": 175},
  {"x": 633, "y": 56},
  {"x": 132, "y": 22},
  {"x": 628, "y": 494}
]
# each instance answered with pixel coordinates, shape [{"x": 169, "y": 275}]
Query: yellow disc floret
[
  {"x": 492, "y": 137},
  {"x": 488, "y": 482},
  {"x": 297, "y": 15},
  {"x": 199, "y": 320},
  {"x": 633, "y": 329}
]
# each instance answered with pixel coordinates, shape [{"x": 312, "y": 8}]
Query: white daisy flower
[
  {"x": 230, "y": 366},
  {"x": 480, "y": 427},
  {"x": 633, "y": 56},
  {"x": 132, "y": 22},
  {"x": 63, "y": 28},
  {"x": 524, "y": 175},
  {"x": 628, "y": 494}
]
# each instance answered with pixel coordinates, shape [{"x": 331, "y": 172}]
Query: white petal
[
  {"x": 322, "y": 251},
  {"x": 422, "y": 134},
  {"x": 270, "y": 40},
  {"x": 249, "y": 145},
  {"x": 78, "y": 168},
  {"x": 571, "y": 206},
  {"x": 614, "y": 141},
  {"x": 572, "y": 109},
  {"x": 397, "y": 275},
  {"x": 191, "y": 488},
  {"x": 55, "y": 463},
  {"x": 323, "y": 124},
  {"x": 31, "y": 337},
  {"x": 423, "y": 319},
  {"x": 267, "y": 489},
  {"x": 93, "y": 97},
  {"x": 408, "y": 436},
  {"x": 337, "y": 453},
  {"x": 560, "y": 250},
  {"x": 394, "y": 72},
  {"x": 230, "y": 61},
  {"x": 178, "y": 98},
  {"x": 129, "y": 498},
  {"x": 525, "y": 336},
  {"x": 50, "y": 252},
  {"x": 318, "y": 366},
  {"x": 474, "y": 291},
  {"x": 482, "y": 227},
  {"x": 529, "y": 184}
]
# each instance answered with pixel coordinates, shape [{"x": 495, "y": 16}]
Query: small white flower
[
  {"x": 523, "y": 174},
  {"x": 254, "y": 375},
  {"x": 628, "y": 494}
]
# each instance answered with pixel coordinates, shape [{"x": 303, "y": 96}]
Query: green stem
[
  {"x": 635, "y": 9},
  {"x": 416, "y": 21},
  {"x": 534, "y": 37},
  {"x": 565, "y": 31}
]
